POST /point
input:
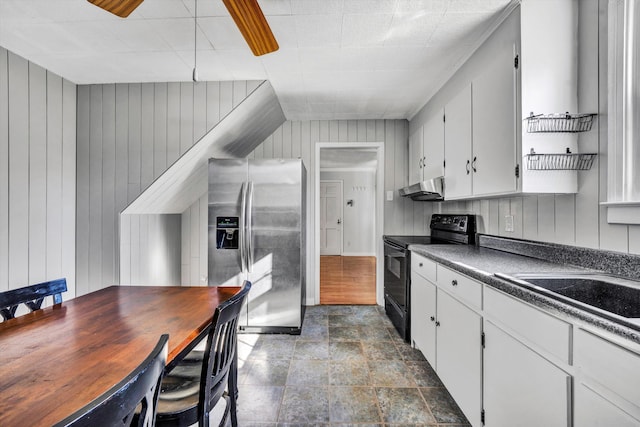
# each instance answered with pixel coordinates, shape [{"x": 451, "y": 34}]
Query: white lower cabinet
[
  {"x": 593, "y": 410},
  {"x": 459, "y": 354},
  {"x": 522, "y": 388},
  {"x": 423, "y": 317},
  {"x": 608, "y": 390}
]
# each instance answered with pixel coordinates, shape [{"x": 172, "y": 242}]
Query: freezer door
[
  {"x": 275, "y": 240},
  {"x": 226, "y": 179}
]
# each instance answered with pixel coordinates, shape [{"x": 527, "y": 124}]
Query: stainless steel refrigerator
[{"x": 257, "y": 212}]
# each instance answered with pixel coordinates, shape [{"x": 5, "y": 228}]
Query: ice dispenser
[{"x": 227, "y": 232}]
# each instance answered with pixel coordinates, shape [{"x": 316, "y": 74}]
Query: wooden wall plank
[
  {"x": 185, "y": 253},
  {"x": 122, "y": 146},
  {"x": 173, "y": 122},
  {"x": 277, "y": 143},
  {"x": 186, "y": 117},
  {"x": 19, "y": 171},
  {"x": 4, "y": 170},
  {"x": 37, "y": 173},
  {"x": 108, "y": 184},
  {"x": 213, "y": 104},
  {"x": 546, "y": 218},
  {"x": 83, "y": 190},
  {"x": 134, "y": 135},
  {"x": 203, "y": 232},
  {"x": 160, "y": 124},
  {"x": 286, "y": 140},
  {"x": 95, "y": 187},
  {"x": 226, "y": 98},
  {"x": 54, "y": 177},
  {"x": 125, "y": 249},
  {"x": 296, "y": 140},
  {"x": 146, "y": 135},
  {"x": 69, "y": 168},
  {"x": 200, "y": 127}
]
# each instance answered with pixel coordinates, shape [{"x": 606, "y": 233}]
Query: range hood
[{"x": 431, "y": 190}]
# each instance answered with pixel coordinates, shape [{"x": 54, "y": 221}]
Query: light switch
[{"x": 389, "y": 196}]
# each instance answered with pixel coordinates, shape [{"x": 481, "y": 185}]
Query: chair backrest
[
  {"x": 132, "y": 401},
  {"x": 220, "y": 353},
  {"x": 31, "y": 296}
]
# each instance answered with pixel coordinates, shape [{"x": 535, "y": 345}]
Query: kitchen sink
[{"x": 608, "y": 296}]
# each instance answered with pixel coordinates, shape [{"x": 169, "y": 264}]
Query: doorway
[
  {"x": 353, "y": 274},
  {"x": 330, "y": 217}
]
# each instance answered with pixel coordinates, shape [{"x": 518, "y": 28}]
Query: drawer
[
  {"x": 537, "y": 327},
  {"x": 424, "y": 267},
  {"x": 463, "y": 287},
  {"x": 613, "y": 366}
]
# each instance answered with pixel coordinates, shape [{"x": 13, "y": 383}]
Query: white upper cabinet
[
  {"x": 494, "y": 126},
  {"x": 457, "y": 146},
  {"x": 433, "y": 146},
  {"x": 426, "y": 149}
]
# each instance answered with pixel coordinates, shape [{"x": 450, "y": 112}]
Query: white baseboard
[{"x": 359, "y": 254}]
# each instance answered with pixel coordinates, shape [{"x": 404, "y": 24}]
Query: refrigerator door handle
[
  {"x": 242, "y": 228},
  {"x": 249, "y": 230}
]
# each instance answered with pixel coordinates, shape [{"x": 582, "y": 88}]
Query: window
[{"x": 623, "y": 196}]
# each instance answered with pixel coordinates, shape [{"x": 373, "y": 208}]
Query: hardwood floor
[{"x": 347, "y": 279}]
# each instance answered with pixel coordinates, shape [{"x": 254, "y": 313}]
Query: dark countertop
[{"x": 481, "y": 263}]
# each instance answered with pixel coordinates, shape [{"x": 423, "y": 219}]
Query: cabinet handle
[
  {"x": 420, "y": 164},
  {"x": 468, "y": 167},
  {"x": 454, "y": 282},
  {"x": 438, "y": 323},
  {"x": 474, "y": 164},
  {"x": 420, "y": 265},
  {"x": 433, "y": 319},
  {"x": 424, "y": 161}
]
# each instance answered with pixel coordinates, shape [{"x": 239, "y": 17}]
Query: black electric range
[{"x": 446, "y": 229}]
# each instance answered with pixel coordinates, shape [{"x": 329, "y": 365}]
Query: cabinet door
[
  {"x": 520, "y": 387},
  {"x": 457, "y": 146},
  {"x": 423, "y": 316},
  {"x": 494, "y": 127},
  {"x": 459, "y": 354},
  {"x": 433, "y": 146},
  {"x": 415, "y": 156},
  {"x": 593, "y": 410}
]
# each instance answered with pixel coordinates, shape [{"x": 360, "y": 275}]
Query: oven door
[{"x": 396, "y": 260}]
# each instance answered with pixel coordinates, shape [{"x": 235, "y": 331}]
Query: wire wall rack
[
  {"x": 563, "y": 122},
  {"x": 560, "y": 161}
]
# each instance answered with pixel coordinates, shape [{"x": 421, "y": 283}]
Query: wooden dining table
[{"x": 56, "y": 360}]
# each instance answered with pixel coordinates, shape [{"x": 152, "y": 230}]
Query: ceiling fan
[{"x": 246, "y": 13}]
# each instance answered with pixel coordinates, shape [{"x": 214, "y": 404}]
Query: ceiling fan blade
[
  {"x": 121, "y": 8},
  {"x": 253, "y": 25}
]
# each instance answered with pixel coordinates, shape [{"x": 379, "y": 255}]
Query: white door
[
  {"x": 330, "y": 217},
  {"x": 423, "y": 317}
]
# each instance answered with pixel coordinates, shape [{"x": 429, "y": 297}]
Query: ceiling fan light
[
  {"x": 121, "y": 8},
  {"x": 253, "y": 25}
]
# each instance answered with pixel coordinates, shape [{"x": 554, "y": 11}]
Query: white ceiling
[{"x": 338, "y": 59}]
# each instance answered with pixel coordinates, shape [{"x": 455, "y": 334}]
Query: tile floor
[{"x": 349, "y": 367}]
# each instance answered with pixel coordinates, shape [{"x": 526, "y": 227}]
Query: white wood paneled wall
[
  {"x": 37, "y": 175},
  {"x": 296, "y": 139},
  {"x": 129, "y": 134}
]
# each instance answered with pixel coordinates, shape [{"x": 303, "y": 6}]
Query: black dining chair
[
  {"x": 131, "y": 402},
  {"x": 191, "y": 390},
  {"x": 31, "y": 296}
]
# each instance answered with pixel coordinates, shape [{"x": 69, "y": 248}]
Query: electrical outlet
[{"x": 508, "y": 223}]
